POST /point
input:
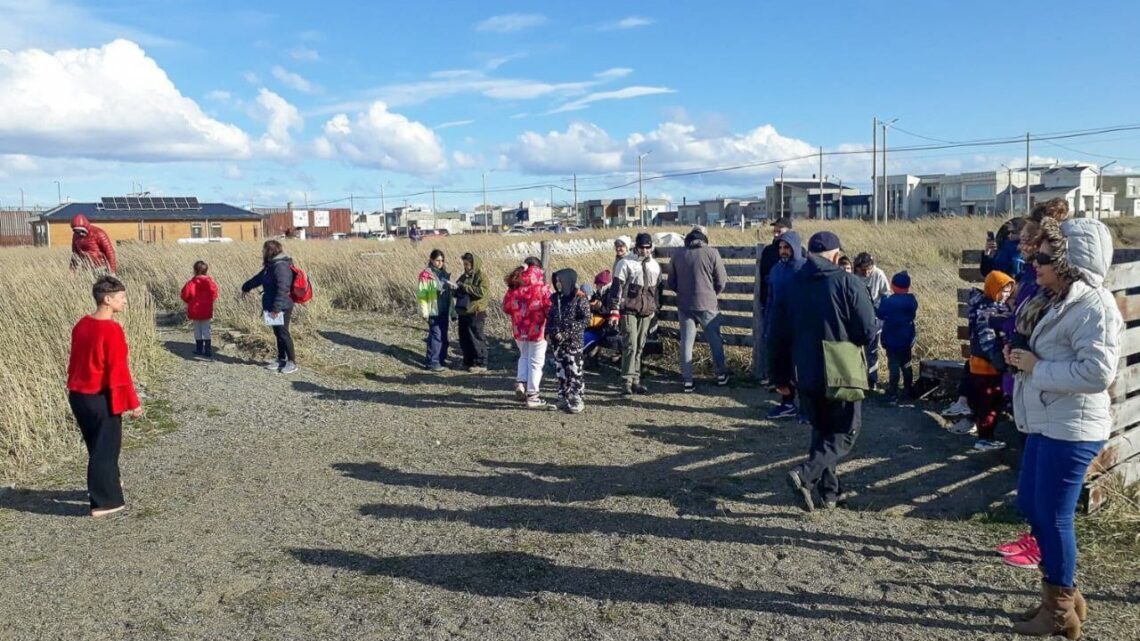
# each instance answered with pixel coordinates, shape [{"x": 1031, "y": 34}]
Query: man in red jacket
[{"x": 90, "y": 246}]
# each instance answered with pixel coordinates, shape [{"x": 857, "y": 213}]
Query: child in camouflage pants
[{"x": 565, "y": 329}]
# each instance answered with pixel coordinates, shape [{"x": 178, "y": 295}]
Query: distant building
[
  {"x": 16, "y": 227},
  {"x": 790, "y": 197},
  {"x": 528, "y": 214},
  {"x": 308, "y": 223},
  {"x": 1126, "y": 192},
  {"x": 620, "y": 212},
  {"x": 150, "y": 220}
]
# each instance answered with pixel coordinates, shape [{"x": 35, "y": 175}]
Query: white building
[{"x": 1126, "y": 193}]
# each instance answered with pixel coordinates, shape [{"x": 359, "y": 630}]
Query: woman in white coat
[{"x": 1061, "y": 401}]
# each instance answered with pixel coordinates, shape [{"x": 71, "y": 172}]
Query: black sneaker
[
  {"x": 840, "y": 501},
  {"x": 722, "y": 380},
  {"x": 690, "y": 388},
  {"x": 640, "y": 389},
  {"x": 802, "y": 491},
  {"x": 627, "y": 390}
]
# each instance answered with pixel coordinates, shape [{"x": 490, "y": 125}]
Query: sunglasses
[{"x": 1043, "y": 259}]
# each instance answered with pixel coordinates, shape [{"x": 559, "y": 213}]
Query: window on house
[
  {"x": 195, "y": 230},
  {"x": 215, "y": 230}
]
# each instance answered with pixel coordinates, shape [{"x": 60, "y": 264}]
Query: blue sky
[{"x": 273, "y": 102}]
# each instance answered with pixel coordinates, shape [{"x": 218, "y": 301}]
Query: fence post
[
  {"x": 544, "y": 256},
  {"x": 759, "y": 366}
]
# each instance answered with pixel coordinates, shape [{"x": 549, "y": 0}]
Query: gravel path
[{"x": 375, "y": 501}]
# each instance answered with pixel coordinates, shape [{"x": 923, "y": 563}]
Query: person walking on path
[
  {"x": 199, "y": 294},
  {"x": 91, "y": 246},
  {"x": 898, "y": 313},
  {"x": 834, "y": 307},
  {"x": 634, "y": 305},
  {"x": 878, "y": 287},
  {"x": 276, "y": 281},
  {"x": 1061, "y": 399},
  {"x": 527, "y": 305},
  {"x": 100, "y": 390},
  {"x": 433, "y": 292},
  {"x": 565, "y": 330},
  {"x": 781, "y": 293},
  {"x": 471, "y": 307},
  {"x": 698, "y": 276}
]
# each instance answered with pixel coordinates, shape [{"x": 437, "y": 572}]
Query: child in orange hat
[{"x": 988, "y": 311}]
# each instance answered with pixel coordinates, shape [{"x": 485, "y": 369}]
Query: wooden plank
[
  {"x": 1121, "y": 447},
  {"x": 1129, "y": 305},
  {"x": 726, "y": 304},
  {"x": 971, "y": 256},
  {"x": 963, "y": 333},
  {"x": 739, "y": 287},
  {"x": 726, "y": 320},
  {"x": 741, "y": 270},
  {"x": 1125, "y": 414},
  {"x": 727, "y": 253},
  {"x": 1127, "y": 381},
  {"x": 759, "y": 361},
  {"x": 966, "y": 350},
  {"x": 1123, "y": 276},
  {"x": 940, "y": 370},
  {"x": 733, "y": 340},
  {"x": 1123, "y": 255},
  {"x": 1096, "y": 493},
  {"x": 964, "y": 295},
  {"x": 1130, "y": 342},
  {"x": 970, "y": 274},
  {"x": 963, "y": 312}
]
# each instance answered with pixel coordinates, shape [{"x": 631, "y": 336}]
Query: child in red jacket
[
  {"x": 200, "y": 293},
  {"x": 527, "y": 305},
  {"x": 100, "y": 391}
]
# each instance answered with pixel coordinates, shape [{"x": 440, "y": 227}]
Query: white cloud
[
  {"x": 614, "y": 73},
  {"x": 453, "y": 123},
  {"x": 619, "y": 94},
  {"x": 11, "y": 164},
  {"x": 251, "y": 77},
  {"x": 511, "y": 22},
  {"x": 465, "y": 160},
  {"x": 305, "y": 54},
  {"x": 218, "y": 95},
  {"x": 582, "y": 147},
  {"x": 293, "y": 80},
  {"x": 281, "y": 119},
  {"x": 232, "y": 172},
  {"x": 380, "y": 138},
  {"x": 631, "y": 22},
  {"x": 52, "y": 24},
  {"x": 113, "y": 102}
]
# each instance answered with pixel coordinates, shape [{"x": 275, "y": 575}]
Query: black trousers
[
  {"x": 472, "y": 340},
  {"x": 103, "y": 436},
  {"x": 284, "y": 338},
  {"x": 835, "y": 426}
]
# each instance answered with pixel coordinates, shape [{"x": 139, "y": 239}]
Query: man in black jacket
[
  {"x": 771, "y": 255},
  {"x": 830, "y": 305}
]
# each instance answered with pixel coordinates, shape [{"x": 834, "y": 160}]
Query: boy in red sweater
[
  {"x": 199, "y": 293},
  {"x": 100, "y": 391}
]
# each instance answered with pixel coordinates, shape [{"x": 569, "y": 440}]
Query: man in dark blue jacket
[
  {"x": 781, "y": 371},
  {"x": 830, "y": 305}
]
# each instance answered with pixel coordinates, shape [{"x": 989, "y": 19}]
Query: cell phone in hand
[{"x": 990, "y": 237}]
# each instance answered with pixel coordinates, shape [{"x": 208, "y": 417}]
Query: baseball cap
[{"x": 823, "y": 241}]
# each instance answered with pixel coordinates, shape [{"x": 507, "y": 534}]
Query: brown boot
[
  {"x": 1081, "y": 607},
  {"x": 1057, "y": 614}
]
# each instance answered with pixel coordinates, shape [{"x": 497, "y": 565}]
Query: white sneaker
[
  {"x": 576, "y": 407},
  {"x": 957, "y": 408},
  {"x": 274, "y": 366},
  {"x": 288, "y": 368},
  {"x": 984, "y": 445},
  {"x": 963, "y": 426},
  {"x": 535, "y": 403}
]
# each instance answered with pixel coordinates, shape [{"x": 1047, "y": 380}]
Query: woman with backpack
[{"x": 276, "y": 282}]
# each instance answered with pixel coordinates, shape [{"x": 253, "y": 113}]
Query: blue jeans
[
  {"x": 1052, "y": 474},
  {"x": 437, "y": 343},
  {"x": 710, "y": 323}
]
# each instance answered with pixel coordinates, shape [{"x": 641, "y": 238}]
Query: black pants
[
  {"x": 472, "y": 341},
  {"x": 835, "y": 426},
  {"x": 284, "y": 338},
  {"x": 103, "y": 436}
]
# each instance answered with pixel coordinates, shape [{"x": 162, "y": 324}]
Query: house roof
[
  {"x": 808, "y": 184},
  {"x": 95, "y": 213}
]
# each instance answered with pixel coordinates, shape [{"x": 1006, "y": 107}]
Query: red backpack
[{"x": 302, "y": 289}]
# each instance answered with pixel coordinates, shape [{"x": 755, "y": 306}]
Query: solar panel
[
  {"x": 120, "y": 203},
  {"x": 168, "y": 203},
  {"x": 108, "y": 203},
  {"x": 192, "y": 203},
  {"x": 133, "y": 202}
]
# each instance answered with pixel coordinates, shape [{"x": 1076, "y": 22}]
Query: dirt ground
[{"x": 372, "y": 500}]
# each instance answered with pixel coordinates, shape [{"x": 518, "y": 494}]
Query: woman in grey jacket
[{"x": 1061, "y": 400}]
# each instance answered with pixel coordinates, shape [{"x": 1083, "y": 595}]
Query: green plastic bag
[{"x": 845, "y": 370}]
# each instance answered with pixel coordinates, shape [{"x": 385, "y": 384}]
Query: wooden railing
[{"x": 1120, "y": 457}]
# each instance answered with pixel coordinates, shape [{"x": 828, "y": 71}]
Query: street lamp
[
  {"x": 1009, "y": 186},
  {"x": 1100, "y": 187},
  {"x": 781, "y": 191},
  {"x": 641, "y": 191},
  {"x": 58, "y": 192},
  {"x": 886, "y": 190}
]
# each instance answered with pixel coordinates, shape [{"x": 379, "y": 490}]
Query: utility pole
[
  {"x": 58, "y": 192},
  {"x": 820, "y": 212},
  {"x": 486, "y": 214},
  {"x": 640, "y": 191},
  {"x": 874, "y": 169},
  {"x": 781, "y": 191},
  {"x": 383, "y": 210},
  {"x": 434, "y": 223},
  {"x": 576, "y": 219},
  {"x": 1009, "y": 188},
  {"x": 21, "y": 199},
  {"x": 886, "y": 187},
  {"x": 840, "y": 199},
  {"x": 1099, "y": 190},
  {"x": 1027, "y": 190}
]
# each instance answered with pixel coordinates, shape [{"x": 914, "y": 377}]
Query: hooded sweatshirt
[
  {"x": 1077, "y": 340},
  {"x": 432, "y": 294},
  {"x": 93, "y": 248},
  {"x": 275, "y": 280},
  {"x": 782, "y": 273},
  {"x": 898, "y": 312},
  {"x": 471, "y": 295},
  {"x": 199, "y": 294},
  {"x": 697, "y": 275},
  {"x": 569, "y": 312},
  {"x": 528, "y": 305},
  {"x": 987, "y": 321},
  {"x": 832, "y": 305}
]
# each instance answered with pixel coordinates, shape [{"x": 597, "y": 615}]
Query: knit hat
[
  {"x": 644, "y": 240},
  {"x": 700, "y": 229},
  {"x": 823, "y": 241},
  {"x": 900, "y": 282},
  {"x": 623, "y": 240},
  {"x": 995, "y": 281},
  {"x": 783, "y": 222},
  {"x": 603, "y": 278}
]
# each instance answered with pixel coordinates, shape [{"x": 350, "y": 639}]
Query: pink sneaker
[
  {"x": 1030, "y": 559},
  {"x": 1022, "y": 543}
]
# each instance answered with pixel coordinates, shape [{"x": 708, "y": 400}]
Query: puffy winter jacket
[
  {"x": 199, "y": 294},
  {"x": 93, "y": 248},
  {"x": 635, "y": 286},
  {"x": 275, "y": 281},
  {"x": 471, "y": 295},
  {"x": 528, "y": 305},
  {"x": 698, "y": 275},
  {"x": 1077, "y": 340},
  {"x": 433, "y": 295},
  {"x": 898, "y": 312},
  {"x": 987, "y": 320},
  {"x": 569, "y": 312}
]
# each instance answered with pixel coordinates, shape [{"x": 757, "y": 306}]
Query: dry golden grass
[{"x": 43, "y": 300}]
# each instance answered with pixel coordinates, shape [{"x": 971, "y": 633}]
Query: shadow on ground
[{"x": 50, "y": 502}]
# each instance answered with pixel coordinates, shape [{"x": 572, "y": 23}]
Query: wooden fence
[
  {"x": 1120, "y": 457},
  {"x": 742, "y": 319}
]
